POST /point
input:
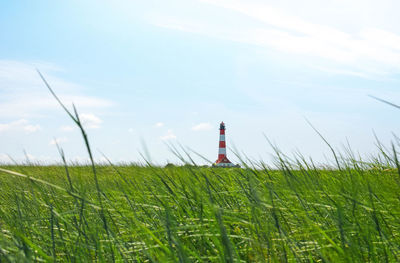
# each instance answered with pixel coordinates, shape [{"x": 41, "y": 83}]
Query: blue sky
[{"x": 169, "y": 71}]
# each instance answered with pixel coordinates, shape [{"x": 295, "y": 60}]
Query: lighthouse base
[
  {"x": 225, "y": 165},
  {"x": 224, "y": 162}
]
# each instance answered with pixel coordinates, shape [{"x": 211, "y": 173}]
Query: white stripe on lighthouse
[
  {"x": 222, "y": 137},
  {"x": 222, "y": 151}
]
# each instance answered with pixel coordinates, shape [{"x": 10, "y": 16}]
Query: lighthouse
[{"x": 222, "y": 159}]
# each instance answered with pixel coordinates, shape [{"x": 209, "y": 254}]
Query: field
[{"x": 292, "y": 213}]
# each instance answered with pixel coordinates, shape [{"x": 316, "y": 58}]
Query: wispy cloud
[
  {"x": 169, "y": 136},
  {"x": 31, "y": 128},
  {"x": 204, "y": 126},
  {"x": 159, "y": 125},
  {"x": 369, "y": 51},
  {"x": 339, "y": 71},
  {"x": 24, "y": 94},
  {"x": 19, "y": 125},
  {"x": 90, "y": 121}
]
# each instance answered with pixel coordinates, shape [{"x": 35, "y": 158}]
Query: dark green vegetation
[{"x": 296, "y": 213}]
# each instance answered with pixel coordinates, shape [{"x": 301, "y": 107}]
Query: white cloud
[
  {"x": 4, "y": 158},
  {"x": 67, "y": 128},
  {"x": 90, "y": 121},
  {"x": 37, "y": 105},
  {"x": 19, "y": 125},
  {"x": 32, "y": 128},
  {"x": 204, "y": 126},
  {"x": 159, "y": 125},
  {"x": 169, "y": 136},
  {"x": 58, "y": 140},
  {"x": 23, "y": 93},
  {"x": 10, "y": 125},
  {"x": 339, "y": 71},
  {"x": 131, "y": 130},
  {"x": 366, "y": 50}
]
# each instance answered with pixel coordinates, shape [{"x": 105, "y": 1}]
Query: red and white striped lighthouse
[{"x": 222, "y": 159}]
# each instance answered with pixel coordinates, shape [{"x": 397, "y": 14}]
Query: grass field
[{"x": 293, "y": 213}]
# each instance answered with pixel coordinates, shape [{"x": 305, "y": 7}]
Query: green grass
[{"x": 186, "y": 214}]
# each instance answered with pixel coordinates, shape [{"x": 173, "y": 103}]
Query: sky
[{"x": 148, "y": 74}]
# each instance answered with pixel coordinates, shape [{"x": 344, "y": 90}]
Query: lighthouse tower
[{"x": 222, "y": 159}]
